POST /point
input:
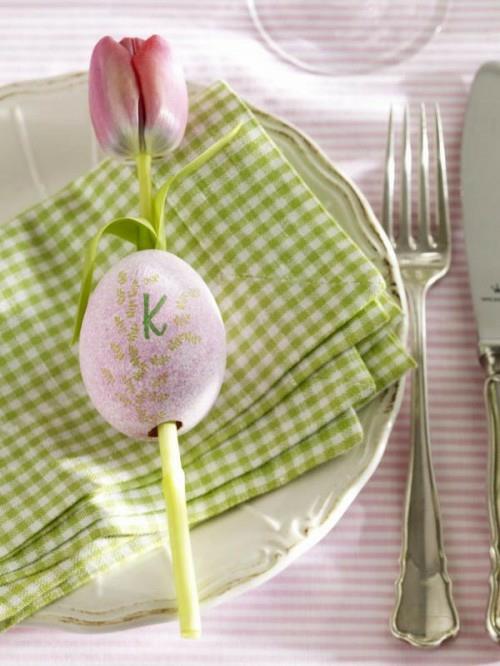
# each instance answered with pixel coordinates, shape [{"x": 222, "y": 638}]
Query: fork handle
[
  {"x": 425, "y": 614},
  {"x": 490, "y": 360}
]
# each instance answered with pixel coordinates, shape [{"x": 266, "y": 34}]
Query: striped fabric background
[{"x": 333, "y": 605}]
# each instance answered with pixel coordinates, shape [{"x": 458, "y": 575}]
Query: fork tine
[
  {"x": 389, "y": 180},
  {"x": 405, "y": 235},
  {"x": 442, "y": 206},
  {"x": 424, "y": 226}
]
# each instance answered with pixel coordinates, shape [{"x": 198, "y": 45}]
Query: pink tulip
[{"x": 137, "y": 95}]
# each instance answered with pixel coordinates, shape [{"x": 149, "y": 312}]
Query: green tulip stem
[
  {"x": 143, "y": 161},
  {"x": 174, "y": 492}
]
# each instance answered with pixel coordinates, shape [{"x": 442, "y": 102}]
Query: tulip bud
[{"x": 138, "y": 96}]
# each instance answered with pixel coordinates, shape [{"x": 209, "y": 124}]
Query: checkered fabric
[{"x": 310, "y": 338}]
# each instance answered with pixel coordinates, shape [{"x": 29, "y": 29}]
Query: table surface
[{"x": 333, "y": 604}]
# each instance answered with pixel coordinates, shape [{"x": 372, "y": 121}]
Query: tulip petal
[
  {"x": 163, "y": 94},
  {"x": 132, "y": 44},
  {"x": 114, "y": 98}
]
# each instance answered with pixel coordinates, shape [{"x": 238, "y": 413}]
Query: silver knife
[{"x": 481, "y": 214}]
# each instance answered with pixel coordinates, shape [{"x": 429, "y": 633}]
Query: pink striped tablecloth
[{"x": 333, "y": 605}]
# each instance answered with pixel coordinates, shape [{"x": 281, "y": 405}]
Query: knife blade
[
  {"x": 480, "y": 177},
  {"x": 481, "y": 199}
]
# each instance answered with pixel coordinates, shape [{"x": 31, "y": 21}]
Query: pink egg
[{"x": 152, "y": 345}]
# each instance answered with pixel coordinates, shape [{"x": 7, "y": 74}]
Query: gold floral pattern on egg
[
  {"x": 117, "y": 351},
  {"x": 107, "y": 376}
]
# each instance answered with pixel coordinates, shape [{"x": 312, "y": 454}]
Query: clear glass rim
[{"x": 442, "y": 7}]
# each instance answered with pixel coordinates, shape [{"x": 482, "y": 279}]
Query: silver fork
[{"x": 425, "y": 614}]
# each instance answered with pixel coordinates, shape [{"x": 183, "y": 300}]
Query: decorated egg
[{"x": 152, "y": 345}]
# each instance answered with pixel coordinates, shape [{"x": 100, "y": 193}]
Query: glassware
[{"x": 341, "y": 37}]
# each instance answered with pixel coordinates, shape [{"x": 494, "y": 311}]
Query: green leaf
[
  {"x": 161, "y": 195},
  {"x": 126, "y": 228}
]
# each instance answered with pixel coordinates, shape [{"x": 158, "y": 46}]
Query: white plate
[{"x": 46, "y": 141}]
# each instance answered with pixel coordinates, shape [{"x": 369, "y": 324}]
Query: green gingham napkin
[{"x": 309, "y": 340}]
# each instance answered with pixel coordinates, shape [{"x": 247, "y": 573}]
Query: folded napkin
[{"x": 309, "y": 326}]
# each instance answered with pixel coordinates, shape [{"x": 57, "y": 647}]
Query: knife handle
[{"x": 490, "y": 360}]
